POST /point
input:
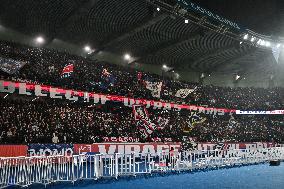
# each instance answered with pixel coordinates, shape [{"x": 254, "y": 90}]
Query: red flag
[{"x": 67, "y": 70}]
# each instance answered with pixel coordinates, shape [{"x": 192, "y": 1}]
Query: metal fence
[{"x": 24, "y": 171}]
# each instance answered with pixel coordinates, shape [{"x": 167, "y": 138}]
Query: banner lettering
[{"x": 52, "y": 92}]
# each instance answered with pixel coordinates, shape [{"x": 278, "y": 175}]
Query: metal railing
[{"x": 24, "y": 171}]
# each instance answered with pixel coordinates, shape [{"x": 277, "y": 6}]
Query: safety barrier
[{"x": 24, "y": 171}]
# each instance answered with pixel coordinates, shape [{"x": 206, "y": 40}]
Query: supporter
[{"x": 55, "y": 139}]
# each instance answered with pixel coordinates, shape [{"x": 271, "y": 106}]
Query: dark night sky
[{"x": 262, "y": 16}]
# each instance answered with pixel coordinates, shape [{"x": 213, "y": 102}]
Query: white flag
[
  {"x": 183, "y": 93},
  {"x": 155, "y": 87},
  {"x": 276, "y": 53}
]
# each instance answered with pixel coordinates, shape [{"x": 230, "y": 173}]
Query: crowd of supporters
[
  {"x": 40, "y": 121},
  {"x": 45, "y": 66}
]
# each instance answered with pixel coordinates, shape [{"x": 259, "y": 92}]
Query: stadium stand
[
  {"x": 97, "y": 90},
  {"x": 45, "y": 66},
  {"x": 26, "y": 121}
]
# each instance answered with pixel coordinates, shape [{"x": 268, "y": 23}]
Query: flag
[
  {"x": 183, "y": 93},
  {"x": 155, "y": 88},
  {"x": 67, "y": 70},
  {"x": 11, "y": 66},
  {"x": 105, "y": 73},
  {"x": 232, "y": 122},
  {"x": 107, "y": 79},
  {"x": 193, "y": 119},
  {"x": 143, "y": 122},
  {"x": 276, "y": 52},
  {"x": 188, "y": 143}
]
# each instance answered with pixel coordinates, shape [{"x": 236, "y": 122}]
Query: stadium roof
[
  {"x": 263, "y": 16},
  {"x": 135, "y": 27}
]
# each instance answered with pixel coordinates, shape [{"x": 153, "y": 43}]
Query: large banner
[
  {"x": 111, "y": 148},
  {"x": 127, "y": 148},
  {"x": 13, "y": 150},
  {"x": 272, "y": 112},
  {"x": 50, "y": 149},
  {"x": 133, "y": 140},
  {"x": 59, "y": 93},
  {"x": 154, "y": 148},
  {"x": 231, "y": 146}
]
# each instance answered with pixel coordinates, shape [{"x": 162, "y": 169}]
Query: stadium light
[
  {"x": 186, "y": 21},
  {"x": 267, "y": 44},
  {"x": 158, "y": 9},
  {"x": 165, "y": 66},
  {"x": 40, "y": 40},
  {"x": 262, "y": 43},
  {"x": 87, "y": 48},
  {"x": 127, "y": 57},
  {"x": 241, "y": 42},
  {"x": 252, "y": 39},
  {"x": 246, "y": 36}
]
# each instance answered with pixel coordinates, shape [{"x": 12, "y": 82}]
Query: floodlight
[
  {"x": 262, "y": 43},
  {"x": 87, "y": 48},
  {"x": 40, "y": 40},
  {"x": 127, "y": 57}
]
